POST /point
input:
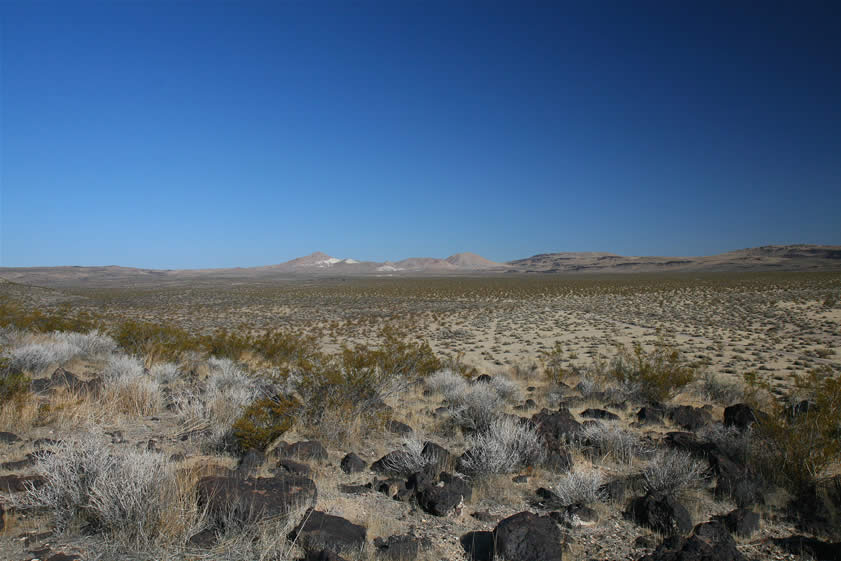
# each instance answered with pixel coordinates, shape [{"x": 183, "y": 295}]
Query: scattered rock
[
  {"x": 8, "y": 437},
  {"x": 206, "y": 539},
  {"x": 483, "y": 379},
  {"x": 444, "y": 498},
  {"x": 520, "y": 479},
  {"x": 397, "y": 427},
  {"x": 324, "y": 531},
  {"x": 352, "y": 463},
  {"x": 689, "y": 418},
  {"x": 251, "y": 462},
  {"x": 661, "y": 513},
  {"x": 437, "y": 457},
  {"x": 822, "y": 551},
  {"x": 599, "y": 414},
  {"x": 739, "y": 415},
  {"x": 528, "y": 537},
  {"x": 742, "y": 522},
  {"x": 19, "y": 483},
  {"x": 400, "y": 548},
  {"x": 710, "y": 541},
  {"x": 323, "y": 555},
  {"x": 651, "y": 414},
  {"x": 484, "y": 516},
  {"x": 356, "y": 489},
  {"x": 479, "y": 546},
  {"x": 559, "y": 427},
  {"x": 248, "y": 499},
  {"x": 285, "y": 465}
]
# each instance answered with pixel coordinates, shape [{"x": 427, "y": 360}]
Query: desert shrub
[
  {"x": 128, "y": 388},
  {"x": 582, "y": 485},
  {"x": 505, "y": 446},
  {"x": 799, "y": 437},
  {"x": 91, "y": 344},
  {"x": 475, "y": 407},
  {"x": 553, "y": 363},
  {"x": 655, "y": 375},
  {"x": 225, "y": 344},
  {"x": 670, "y": 471},
  {"x": 263, "y": 421},
  {"x": 14, "y": 384},
  {"x": 155, "y": 342},
  {"x": 719, "y": 389},
  {"x": 37, "y": 357},
  {"x": 455, "y": 363},
  {"x": 129, "y": 495},
  {"x": 609, "y": 442},
  {"x": 733, "y": 441},
  {"x": 411, "y": 458},
  {"x": 63, "y": 318},
  {"x": 285, "y": 348},
  {"x": 164, "y": 372},
  {"x": 446, "y": 382},
  {"x": 505, "y": 388}
]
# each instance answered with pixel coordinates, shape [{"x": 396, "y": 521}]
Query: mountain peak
[{"x": 468, "y": 260}]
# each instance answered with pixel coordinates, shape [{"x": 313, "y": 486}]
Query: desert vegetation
[{"x": 429, "y": 419}]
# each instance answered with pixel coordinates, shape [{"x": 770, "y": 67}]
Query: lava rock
[
  {"x": 285, "y": 465},
  {"x": 352, "y": 463},
  {"x": 742, "y": 522},
  {"x": 397, "y": 427},
  {"x": 479, "y": 546},
  {"x": 400, "y": 548},
  {"x": 599, "y": 414},
  {"x": 660, "y": 513},
  {"x": 528, "y": 537},
  {"x": 306, "y": 450},
  {"x": 739, "y": 415},
  {"x": 324, "y": 531},
  {"x": 710, "y": 541},
  {"x": 651, "y": 414},
  {"x": 689, "y": 418},
  {"x": 249, "y": 499},
  {"x": 8, "y": 437}
]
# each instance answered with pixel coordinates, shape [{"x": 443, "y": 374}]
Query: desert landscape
[{"x": 471, "y": 412}]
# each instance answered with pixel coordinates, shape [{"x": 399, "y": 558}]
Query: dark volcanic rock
[
  {"x": 599, "y": 414},
  {"x": 528, "y": 537},
  {"x": 437, "y": 457},
  {"x": 661, "y": 513},
  {"x": 478, "y": 545},
  {"x": 397, "y": 427},
  {"x": 19, "y": 483},
  {"x": 285, "y": 465},
  {"x": 710, "y": 541},
  {"x": 393, "y": 463},
  {"x": 689, "y": 418},
  {"x": 323, "y": 555},
  {"x": 8, "y": 437},
  {"x": 250, "y": 499},
  {"x": 560, "y": 426},
  {"x": 353, "y": 463},
  {"x": 483, "y": 379},
  {"x": 250, "y": 462},
  {"x": 445, "y": 497},
  {"x": 356, "y": 489},
  {"x": 324, "y": 531},
  {"x": 739, "y": 415},
  {"x": 819, "y": 550},
  {"x": 400, "y": 548},
  {"x": 742, "y": 522},
  {"x": 651, "y": 414}
]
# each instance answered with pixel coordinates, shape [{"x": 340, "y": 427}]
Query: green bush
[
  {"x": 63, "y": 318},
  {"x": 795, "y": 443},
  {"x": 14, "y": 384},
  {"x": 657, "y": 374},
  {"x": 153, "y": 341},
  {"x": 263, "y": 421},
  {"x": 553, "y": 363}
]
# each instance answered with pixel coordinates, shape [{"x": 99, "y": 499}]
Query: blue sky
[{"x": 209, "y": 134}]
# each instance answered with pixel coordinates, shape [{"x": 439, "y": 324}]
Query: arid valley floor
[{"x": 549, "y": 344}]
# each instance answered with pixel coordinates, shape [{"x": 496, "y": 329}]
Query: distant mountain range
[{"x": 765, "y": 258}]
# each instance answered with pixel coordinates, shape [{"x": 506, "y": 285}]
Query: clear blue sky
[{"x": 208, "y": 134}]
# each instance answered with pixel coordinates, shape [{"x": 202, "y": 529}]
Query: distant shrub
[
  {"x": 91, "y": 344},
  {"x": 505, "y": 446},
  {"x": 505, "y": 388},
  {"x": 63, "y": 318},
  {"x": 581, "y": 485},
  {"x": 553, "y": 363},
  {"x": 264, "y": 421},
  {"x": 446, "y": 382},
  {"x": 719, "y": 389},
  {"x": 475, "y": 407},
  {"x": 671, "y": 471},
  {"x": 153, "y": 341},
  {"x": 655, "y": 375},
  {"x": 37, "y": 357},
  {"x": 164, "y": 372}
]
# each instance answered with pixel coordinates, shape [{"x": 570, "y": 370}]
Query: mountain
[
  {"x": 765, "y": 258},
  {"x": 771, "y": 257}
]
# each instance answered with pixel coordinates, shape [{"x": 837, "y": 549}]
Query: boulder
[
  {"x": 400, "y": 548},
  {"x": 8, "y": 437},
  {"x": 285, "y": 465},
  {"x": 352, "y": 463},
  {"x": 661, "y": 513},
  {"x": 248, "y": 499},
  {"x": 320, "y": 531},
  {"x": 479, "y": 546},
  {"x": 651, "y": 414},
  {"x": 739, "y": 415},
  {"x": 445, "y": 497},
  {"x": 742, "y": 522},
  {"x": 397, "y": 427},
  {"x": 20, "y": 483},
  {"x": 689, "y": 418},
  {"x": 559, "y": 427},
  {"x": 437, "y": 457},
  {"x": 528, "y": 537},
  {"x": 599, "y": 414},
  {"x": 710, "y": 541}
]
